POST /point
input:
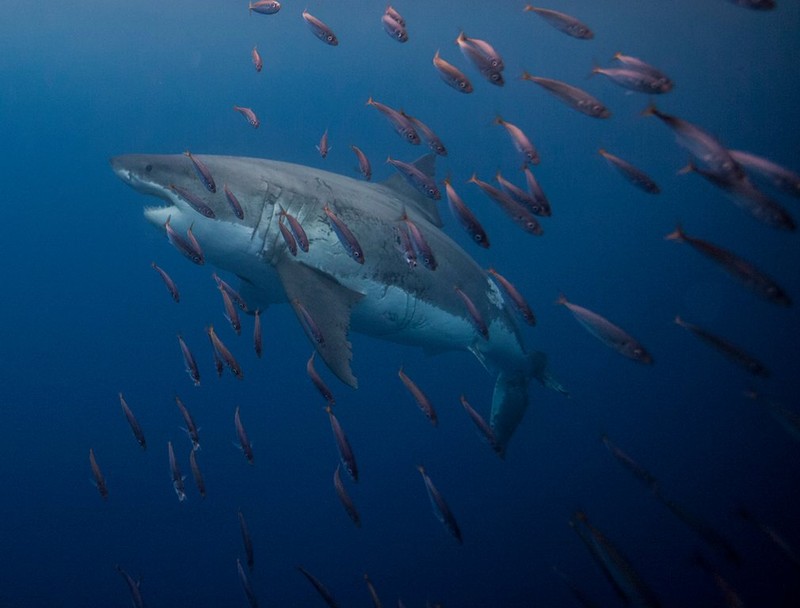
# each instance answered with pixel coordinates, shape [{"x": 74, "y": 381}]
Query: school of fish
[{"x": 753, "y": 183}]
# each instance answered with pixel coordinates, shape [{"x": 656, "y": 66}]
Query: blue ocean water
[{"x": 85, "y": 317}]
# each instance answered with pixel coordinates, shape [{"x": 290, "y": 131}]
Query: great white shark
[{"x": 383, "y": 297}]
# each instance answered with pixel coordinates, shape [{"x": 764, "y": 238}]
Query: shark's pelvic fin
[
  {"x": 328, "y": 303},
  {"x": 510, "y": 398},
  {"x": 413, "y": 198}
]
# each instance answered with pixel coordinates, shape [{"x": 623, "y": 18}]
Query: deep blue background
[{"x": 84, "y": 316}]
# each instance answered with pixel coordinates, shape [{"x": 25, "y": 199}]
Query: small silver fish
[
  {"x": 236, "y": 206},
  {"x": 419, "y": 396},
  {"x": 421, "y": 247},
  {"x": 344, "y": 498},
  {"x": 483, "y": 56},
  {"x": 633, "y": 174},
  {"x": 392, "y": 27},
  {"x": 465, "y": 217},
  {"x": 322, "y": 146},
  {"x": 364, "y": 166},
  {"x": 542, "y": 205},
  {"x": 133, "y": 586},
  {"x": 326, "y": 595},
  {"x": 256, "y": 57},
  {"x": 297, "y": 229},
  {"x": 516, "y": 297},
  {"x": 173, "y": 289},
  {"x": 191, "y": 427},
  {"x": 634, "y": 80},
  {"x": 345, "y": 236},
  {"x": 265, "y": 7},
  {"x": 224, "y": 353},
  {"x": 99, "y": 480},
  {"x": 231, "y": 312},
  {"x": 452, "y": 75},
  {"x": 308, "y": 322},
  {"x": 475, "y": 316},
  {"x": 318, "y": 382},
  {"x": 249, "y": 115},
  {"x": 517, "y": 212},
  {"x": 731, "y": 351},
  {"x": 320, "y": 30},
  {"x": 576, "y": 98},
  {"x": 482, "y": 426},
  {"x": 235, "y": 296},
  {"x": 177, "y": 478},
  {"x": 202, "y": 172},
  {"x": 197, "y": 474},
  {"x": 189, "y": 361},
  {"x": 247, "y": 588},
  {"x": 257, "y": 342},
  {"x": 195, "y": 202},
  {"x": 246, "y": 541},
  {"x": 401, "y": 124},
  {"x": 244, "y": 442},
  {"x": 609, "y": 334},
  {"x": 343, "y": 445},
  {"x": 134, "y": 424},
  {"x": 521, "y": 142},
  {"x": 182, "y": 245},
  {"x": 780, "y": 177},
  {"x": 563, "y": 23},
  {"x": 440, "y": 507},
  {"x": 416, "y": 178},
  {"x": 433, "y": 141}
]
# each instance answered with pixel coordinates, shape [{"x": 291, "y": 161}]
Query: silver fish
[
  {"x": 173, "y": 289},
  {"x": 373, "y": 594},
  {"x": 256, "y": 57},
  {"x": 224, "y": 353},
  {"x": 741, "y": 269},
  {"x": 249, "y": 115},
  {"x": 231, "y": 313},
  {"x": 433, "y": 141},
  {"x": 419, "y": 396},
  {"x": 345, "y": 236},
  {"x": 420, "y": 245},
  {"x": 465, "y": 217},
  {"x": 134, "y": 424},
  {"x": 191, "y": 427},
  {"x": 483, "y": 56},
  {"x": 265, "y": 7},
  {"x": 474, "y": 314},
  {"x": 563, "y": 23},
  {"x": 642, "y": 474},
  {"x": 609, "y": 334},
  {"x": 317, "y": 381},
  {"x": 780, "y": 177},
  {"x": 452, "y": 75},
  {"x": 634, "y": 80},
  {"x": 633, "y": 174},
  {"x": 401, "y": 124},
  {"x": 731, "y": 351},
  {"x": 516, "y": 297},
  {"x": 257, "y": 341},
  {"x": 326, "y": 595},
  {"x": 244, "y": 442},
  {"x": 520, "y": 141},
  {"x": 246, "y": 541},
  {"x": 197, "y": 474},
  {"x": 133, "y": 586},
  {"x": 517, "y": 212},
  {"x": 197, "y": 203},
  {"x": 322, "y": 147},
  {"x": 236, "y": 206},
  {"x": 343, "y": 445},
  {"x": 246, "y": 586},
  {"x": 320, "y": 30},
  {"x": 416, "y": 178},
  {"x": 392, "y": 27},
  {"x": 483, "y": 427},
  {"x": 99, "y": 480},
  {"x": 177, "y": 478},
  {"x": 235, "y": 296},
  {"x": 440, "y": 507},
  {"x": 189, "y": 361},
  {"x": 364, "y": 166},
  {"x": 297, "y": 229},
  {"x": 288, "y": 238},
  {"x": 542, "y": 205},
  {"x": 576, "y": 98},
  {"x": 345, "y": 499},
  {"x": 202, "y": 172}
]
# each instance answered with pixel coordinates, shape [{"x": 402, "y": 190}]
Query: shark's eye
[{"x": 148, "y": 168}]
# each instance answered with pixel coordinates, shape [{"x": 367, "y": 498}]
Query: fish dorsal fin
[
  {"x": 328, "y": 303},
  {"x": 414, "y": 199}
]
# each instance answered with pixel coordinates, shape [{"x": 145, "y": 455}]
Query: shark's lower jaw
[{"x": 158, "y": 215}]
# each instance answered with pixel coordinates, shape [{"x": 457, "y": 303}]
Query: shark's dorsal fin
[
  {"x": 328, "y": 303},
  {"x": 415, "y": 199}
]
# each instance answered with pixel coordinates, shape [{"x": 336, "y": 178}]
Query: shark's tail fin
[{"x": 510, "y": 399}]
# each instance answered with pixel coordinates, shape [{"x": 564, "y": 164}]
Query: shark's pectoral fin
[{"x": 328, "y": 304}]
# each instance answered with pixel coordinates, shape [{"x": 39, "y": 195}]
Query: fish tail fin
[
  {"x": 510, "y": 398},
  {"x": 528, "y": 8},
  {"x": 690, "y": 167},
  {"x": 676, "y": 235},
  {"x": 498, "y": 120},
  {"x": 526, "y": 75},
  {"x": 561, "y": 299},
  {"x": 595, "y": 68}
]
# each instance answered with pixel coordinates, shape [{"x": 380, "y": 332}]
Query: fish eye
[
  {"x": 148, "y": 168},
  {"x": 462, "y": 84},
  {"x": 478, "y": 237},
  {"x": 329, "y": 38}
]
